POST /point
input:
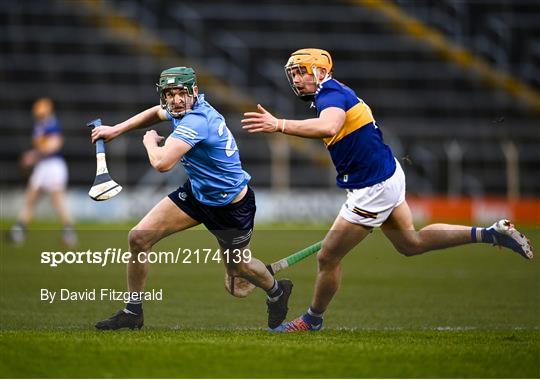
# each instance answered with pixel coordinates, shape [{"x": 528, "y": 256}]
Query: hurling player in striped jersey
[
  {"x": 216, "y": 194},
  {"x": 372, "y": 177}
]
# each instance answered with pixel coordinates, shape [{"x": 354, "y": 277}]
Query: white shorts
[
  {"x": 371, "y": 206},
  {"x": 50, "y": 174}
]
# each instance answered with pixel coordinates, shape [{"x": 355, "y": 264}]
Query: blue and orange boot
[
  {"x": 504, "y": 234},
  {"x": 304, "y": 323}
]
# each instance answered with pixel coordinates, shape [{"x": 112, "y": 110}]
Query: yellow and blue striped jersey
[
  {"x": 358, "y": 150},
  {"x": 43, "y": 130}
]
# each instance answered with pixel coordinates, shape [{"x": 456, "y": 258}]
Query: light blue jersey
[{"x": 213, "y": 163}]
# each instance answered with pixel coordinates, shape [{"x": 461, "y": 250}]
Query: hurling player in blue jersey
[
  {"x": 216, "y": 194},
  {"x": 49, "y": 173},
  {"x": 372, "y": 177}
]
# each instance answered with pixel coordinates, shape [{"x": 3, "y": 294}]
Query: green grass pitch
[{"x": 472, "y": 311}]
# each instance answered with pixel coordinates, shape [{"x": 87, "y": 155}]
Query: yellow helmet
[{"x": 310, "y": 59}]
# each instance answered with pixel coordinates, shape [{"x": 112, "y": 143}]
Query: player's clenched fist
[
  {"x": 151, "y": 137},
  {"x": 104, "y": 132},
  {"x": 262, "y": 121}
]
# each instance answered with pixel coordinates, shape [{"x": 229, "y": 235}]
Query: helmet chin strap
[
  {"x": 176, "y": 115},
  {"x": 316, "y": 76}
]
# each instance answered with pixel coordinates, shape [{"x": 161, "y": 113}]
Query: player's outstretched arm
[
  {"x": 144, "y": 119},
  {"x": 327, "y": 124}
]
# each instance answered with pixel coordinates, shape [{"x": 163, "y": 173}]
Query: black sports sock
[
  {"x": 274, "y": 292},
  {"x": 134, "y": 305},
  {"x": 135, "y": 308}
]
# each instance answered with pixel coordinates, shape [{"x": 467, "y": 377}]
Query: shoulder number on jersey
[{"x": 229, "y": 149}]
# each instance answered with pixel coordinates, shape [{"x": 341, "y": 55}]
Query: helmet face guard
[
  {"x": 176, "y": 77},
  {"x": 307, "y": 61},
  {"x": 290, "y": 71}
]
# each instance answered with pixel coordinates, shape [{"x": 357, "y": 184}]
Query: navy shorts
[{"x": 231, "y": 224}]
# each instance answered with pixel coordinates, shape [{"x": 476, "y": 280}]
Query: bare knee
[
  {"x": 326, "y": 260},
  {"x": 138, "y": 240},
  {"x": 411, "y": 248},
  {"x": 239, "y": 270}
]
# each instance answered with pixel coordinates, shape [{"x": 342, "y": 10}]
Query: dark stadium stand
[
  {"x": 506, "y": 33},
  {"x": 429, "y": 109}
]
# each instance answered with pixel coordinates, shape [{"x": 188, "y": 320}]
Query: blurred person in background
[{"x": 49, "y": 172}]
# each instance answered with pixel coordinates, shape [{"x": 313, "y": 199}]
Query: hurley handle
[
  {"x": 293, "y": 258},
  {"x": 100, "y": 144},
  {"x": 300, "y": 255}
]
